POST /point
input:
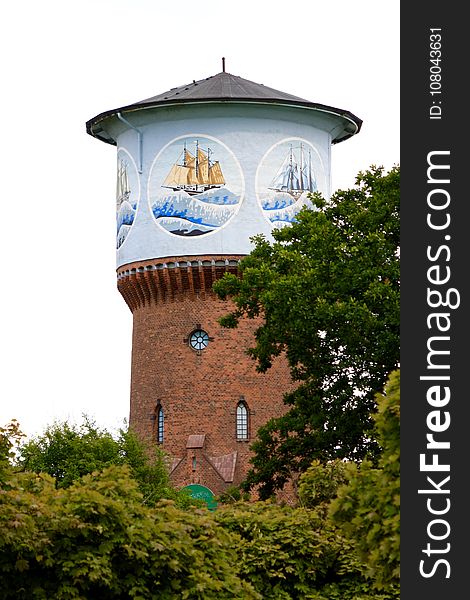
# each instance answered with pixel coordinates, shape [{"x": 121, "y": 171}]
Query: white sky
[{"x": 65, "y": 330}]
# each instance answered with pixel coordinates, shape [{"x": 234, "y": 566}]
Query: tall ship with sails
[
  {"x": 195, "y": 172},
  {"x": 123, "y": 190},
  {"x": 295, "y": 176}
]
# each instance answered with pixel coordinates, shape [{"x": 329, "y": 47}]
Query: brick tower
[{"x": 201, "y": 169}]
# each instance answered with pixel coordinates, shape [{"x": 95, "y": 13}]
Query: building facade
[{"x": 201, "y": 169}]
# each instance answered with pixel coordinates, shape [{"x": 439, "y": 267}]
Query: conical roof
[{"x": 224, "y": 87}]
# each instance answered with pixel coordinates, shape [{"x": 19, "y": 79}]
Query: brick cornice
[{"x": 172, "y": 278}]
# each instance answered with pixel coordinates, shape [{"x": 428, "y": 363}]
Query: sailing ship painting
[
  {"x": 295, "y": 176},
  {"x": 286, "y": 176},
  {"x": 125, "y": 205},
  {"x": 123, "y": 191},
  {"x": 195, "y": 173},
  {"x": 195, "y": 186}
]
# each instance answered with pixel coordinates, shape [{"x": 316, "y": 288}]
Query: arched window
[
  {"x": 160, "y": 424},
  {"x": 242, "y": 420}
]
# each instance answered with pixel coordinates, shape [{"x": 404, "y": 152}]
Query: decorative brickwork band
[{"x": 165, "y": 280}]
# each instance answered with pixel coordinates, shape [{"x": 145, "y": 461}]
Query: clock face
[{"x": 199, "y": 340}]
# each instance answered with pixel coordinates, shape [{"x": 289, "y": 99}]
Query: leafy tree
[
  {"x": 10, "y": 439},
  {"x": 97, "y": 539},
  {"x": 368, "y": 508},
  {"x": 327, "y": 293},
  {"x": 319, "y": 484},
  {"x": 233, "y": 494},
  {"x": 68, "y": 451}
]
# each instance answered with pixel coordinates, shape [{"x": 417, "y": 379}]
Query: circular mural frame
[
  {"x": 127, "y": 194},
  {"x": 289, "y": 170},
  {"x": 195, "y": 186}
]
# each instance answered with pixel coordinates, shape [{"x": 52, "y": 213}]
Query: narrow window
[
  {"x": 242, "y": 421},
  {"x": 160, "y": 424}
]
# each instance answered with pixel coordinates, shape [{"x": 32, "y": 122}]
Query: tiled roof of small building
[
  {"x": 196, "y": 441},
  {"x": 225, "y": 466}
]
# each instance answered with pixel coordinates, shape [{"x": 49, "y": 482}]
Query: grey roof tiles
[{"x": 223, "y": 87}]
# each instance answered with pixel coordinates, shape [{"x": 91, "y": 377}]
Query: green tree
[
  {"x": 327, "y": 290},
  {"x": 10, "y": 439},
  {"x": 319, "y": 484},
  {"x": 368, "y": 508},
  {"x": 69, "y": 451}
]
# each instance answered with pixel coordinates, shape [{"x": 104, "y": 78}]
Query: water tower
[{"x": 201, "y": 169}]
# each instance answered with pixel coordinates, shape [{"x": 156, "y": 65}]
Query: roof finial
[{"x": 223, "y": 64}]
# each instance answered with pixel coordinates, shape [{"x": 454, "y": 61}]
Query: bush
[
  {"x": 293, "y": 554},
  {"x": 96, "y": 539}
]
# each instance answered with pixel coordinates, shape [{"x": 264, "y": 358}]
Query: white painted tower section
[{"x": 251, "y": 140}]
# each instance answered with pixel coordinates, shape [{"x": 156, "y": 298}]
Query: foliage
[
  {"x": 292, "y": 553},
  {"x": 327, "y": 289},
  {"x": 96, "y": 539},
  {"x": 319, "y": 484},
  {"x": 10, "y": 438},
  {"x": 67, "y": 452},
  {"x": 233, "y": 494},
  {"x": 368, "y": 509}
]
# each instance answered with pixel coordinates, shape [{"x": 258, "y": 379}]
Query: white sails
[
  {"x": 123, "y": 190},
  {"x": 295, "y": 175}
]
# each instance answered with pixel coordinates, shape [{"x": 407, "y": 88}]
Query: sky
[{"x": 65, "y": 330}]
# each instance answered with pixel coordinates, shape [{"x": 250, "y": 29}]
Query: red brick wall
[{"x": 199, "y": 392}]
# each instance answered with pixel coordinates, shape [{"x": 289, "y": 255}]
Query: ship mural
[
  {"x": 195, "y": 173},
  {"x": 123, "y": 190},
  {"x": 126, "y": 196},
  {"x": 286, "y": 176},
  {"x": 295, "y": 176},
  {"x": 195, "y": 186}
]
